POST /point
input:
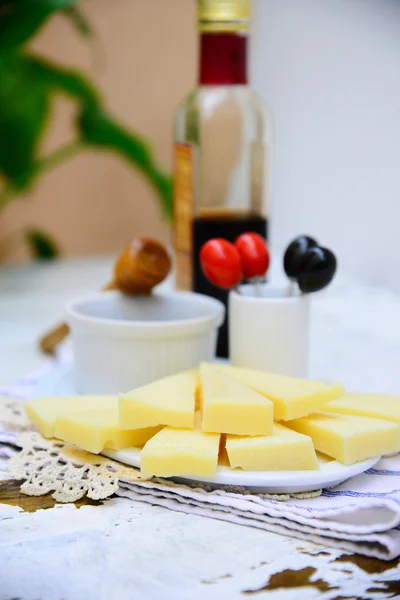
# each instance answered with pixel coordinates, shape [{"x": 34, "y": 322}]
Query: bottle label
[
  {"x": 183, "y": 215},
  {"x": 257, "y": 177}
]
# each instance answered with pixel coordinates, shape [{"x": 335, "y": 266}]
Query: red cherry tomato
[
  {"x": 221, "y": 263},
  {"x": 253, "y": 251}
]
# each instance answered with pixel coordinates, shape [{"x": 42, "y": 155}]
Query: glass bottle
[{"x": 222, "y": 149}]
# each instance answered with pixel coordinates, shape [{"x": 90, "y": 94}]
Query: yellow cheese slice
[
  {"x": 349, "y": 438},
  {"x": 180, "y": 452},
  {"x": 292, "y": 397},
  {"x": 95, "y": 430},
  {"x": 169, "y": 401},
  {"x": 284, "y": 450},
  {"x": 43, "y": 412},
  {"x": 380, "y": 406},
  {"x": 229, "y": 406}
]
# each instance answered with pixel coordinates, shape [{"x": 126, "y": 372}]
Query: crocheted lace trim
[
  {"x": 52, "y": 466},
  {"x": 70, "y": 473}
]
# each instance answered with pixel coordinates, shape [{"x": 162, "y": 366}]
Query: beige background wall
[{"x": 144, "y": 62}]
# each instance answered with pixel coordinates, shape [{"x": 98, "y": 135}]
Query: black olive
[
  {"x": 295, "y": 253},
  {"x": 317, "y": 270}
]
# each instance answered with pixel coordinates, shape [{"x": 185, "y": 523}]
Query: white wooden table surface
[{"x": 128, "y": 550}]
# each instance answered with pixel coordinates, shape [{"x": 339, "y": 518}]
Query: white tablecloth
[{"x": 126, "y": 549}]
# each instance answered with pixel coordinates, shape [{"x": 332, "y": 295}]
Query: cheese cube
[
  {"x": 292, "y": 397},
  {"x": 284, "y": 450},
  {"x": 169, "y": 401},
  {"x": 348, "y": 438},
  {"x": 229, "y": 406},
  {"x": 95, "y": 430},
  {"x": 43, "y": 412},
  {"x": 180, "y": 452},
  {"x": 380, "y": 406}
]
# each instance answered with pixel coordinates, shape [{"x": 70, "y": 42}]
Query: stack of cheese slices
[{"x": 188, "y": 423}]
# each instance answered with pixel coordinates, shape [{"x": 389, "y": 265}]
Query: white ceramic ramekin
[
  {"x": 122, "y": 342},
  {"x": 270, "y": 332}
]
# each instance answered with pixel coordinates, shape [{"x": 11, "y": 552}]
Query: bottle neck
[{"x": 223, "y": 59}]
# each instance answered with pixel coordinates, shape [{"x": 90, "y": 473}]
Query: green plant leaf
[
  {"x": 23, "y": 116},
  {"x": 41, "y": 245},
  {"x": 100, "y": 130},
  {"x": 26, "y": 86},
  {"x": 66, "y": 81},
  {"x": 79, "y": 20},
  {"x": 20, "y": 20},
  {"x": 24, "y": 101}
]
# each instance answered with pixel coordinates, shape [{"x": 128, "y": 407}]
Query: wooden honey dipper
[{"x": 142, "y": 265}]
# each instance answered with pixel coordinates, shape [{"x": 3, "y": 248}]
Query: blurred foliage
[
  {"x": 27, "y": 85},
  {"x": 41, "y": 245}
]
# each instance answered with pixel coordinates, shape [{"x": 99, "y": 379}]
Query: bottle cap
[{"x": 224, "y": 15}]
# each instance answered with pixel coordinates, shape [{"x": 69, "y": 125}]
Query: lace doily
[
  {"x": 53, "y": 466},
  {"x": 70, "y": 473}
]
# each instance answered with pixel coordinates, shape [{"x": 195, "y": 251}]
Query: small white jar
[
  {"x": 270, "y": 331},
  {"x": 121, "y": 342}
]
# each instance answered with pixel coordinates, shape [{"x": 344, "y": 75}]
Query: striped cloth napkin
[{"x": 361, "y": 515}]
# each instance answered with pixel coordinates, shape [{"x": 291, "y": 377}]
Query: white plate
[
  {"x": 331, "y": 473},
  {"x": 59, "y": 382}
]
